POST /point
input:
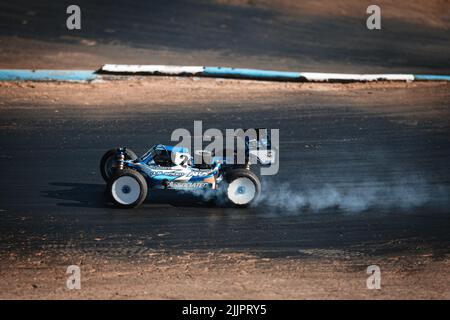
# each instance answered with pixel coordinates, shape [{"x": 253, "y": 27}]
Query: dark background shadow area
[
  {"x": 87, "y": 195},
  {"x": 92, "y": 195},
  {"x": 192, "y": 30}
]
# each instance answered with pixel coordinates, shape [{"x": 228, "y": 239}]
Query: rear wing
[
  {"x": 259, "y": 149},
  {"x": 250, "y": 146}
]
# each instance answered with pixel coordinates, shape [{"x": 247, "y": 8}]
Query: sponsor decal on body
[{"x": 189, "y": 185}]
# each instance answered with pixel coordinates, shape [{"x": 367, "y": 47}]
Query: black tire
[
  {"x": 235, "y": 174},
  {"x": 106, "y": 162},
  {"x": 117, "y": 194}
]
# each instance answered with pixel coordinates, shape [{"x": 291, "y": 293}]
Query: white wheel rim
[
  {"x": 126, "y": 190},
  {"x": 241, "y": 191}
]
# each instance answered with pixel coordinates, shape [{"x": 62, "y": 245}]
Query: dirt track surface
[
  {"x": 327, "y": 36},
  {"x": 364, "y": 179},
  {"x": 321, "y": 274}
]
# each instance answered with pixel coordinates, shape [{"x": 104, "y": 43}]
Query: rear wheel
[
  {"x": 108, "y": 160},
  {"x": 243, "y": 187},
  {"x": 127, "y": 188}
]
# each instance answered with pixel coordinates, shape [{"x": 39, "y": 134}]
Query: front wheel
[
  {"x": 243, "y": 187},
  {"x": 108, "y": 161},
  {"x": 127, "y": 188}
]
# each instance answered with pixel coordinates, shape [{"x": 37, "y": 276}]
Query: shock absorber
[{"x": 120, "y": 158}]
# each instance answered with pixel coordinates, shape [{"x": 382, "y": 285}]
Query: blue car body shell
[{"x": 174, "y": 176}]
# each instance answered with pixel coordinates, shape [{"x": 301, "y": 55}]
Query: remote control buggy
[{"x": 131, "y": 179}]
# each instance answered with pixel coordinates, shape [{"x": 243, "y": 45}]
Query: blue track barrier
[{"x": 47, "y": 75}]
